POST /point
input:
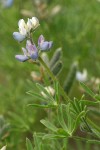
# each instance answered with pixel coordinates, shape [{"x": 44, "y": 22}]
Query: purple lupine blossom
[
  {"x": 44, "y": 45},
  {"x": 31, "y": 52},
  {"x": 19, "y": 37}
]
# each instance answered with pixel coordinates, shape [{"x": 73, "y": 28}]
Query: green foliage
[
  {"x": 44, "y": 95},
  {"x": 49, "y": 125},
  {"x": 88, "y": 90},
  {"x": 76, "y": 29},
  {"x": 4, "y": 128},
  {"x": 28, "y": 144}
]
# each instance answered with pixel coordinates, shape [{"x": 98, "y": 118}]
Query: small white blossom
[
  {"x": 23, "y": 29},
  {"x": 29, "y": 24},
  {"x": 81, "y": 76},
  {"x": 35, "y": 22},
  {"x": 97, "y": 81},
  {"x": 3, "y": 148}
]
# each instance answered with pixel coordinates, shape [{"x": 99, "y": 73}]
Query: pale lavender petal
[
  {"x": 21, "y": 58},
  {"x": 44, "y": 46},
  {"x": 34, "y": 56},
  {"x": 24, "y": 51},
  {"x": 41, "y": 39},
  {"x": 35, "y": 48},
  {"x": 31, "y": 47},
  {"x": 50, "y": 44},
  {"x": 19, "y": 37}
]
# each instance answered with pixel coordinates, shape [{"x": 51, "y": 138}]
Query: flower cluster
[
  {"x": 25, "y": 28},
  {"x": 31, "y": 51}
]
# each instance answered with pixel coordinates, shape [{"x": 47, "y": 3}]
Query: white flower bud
[
  {"x": 22, "y": 27},
  {"x": 35, "y": 22},
  {"x": 81, "y": 76},
  {"x": 25, "y": 28}
]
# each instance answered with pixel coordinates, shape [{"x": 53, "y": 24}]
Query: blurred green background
[{"x": 73, "y": 25}]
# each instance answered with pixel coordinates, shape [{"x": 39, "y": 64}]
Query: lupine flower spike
[
  {"x": 25, "y": 30},
  {"x": 31, "y": 52}
]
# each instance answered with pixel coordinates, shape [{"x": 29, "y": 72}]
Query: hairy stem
[{"x": 53, "y": 78}]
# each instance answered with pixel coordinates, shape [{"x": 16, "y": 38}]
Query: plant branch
[{"x": 54, "y": 78}]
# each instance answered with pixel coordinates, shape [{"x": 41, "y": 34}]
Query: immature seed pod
[
  {"x": 56, "y": 69},
  {"x": 70, "y": 77},
  {"x": 56, "y": 56}
]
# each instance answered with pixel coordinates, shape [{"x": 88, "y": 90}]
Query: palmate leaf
[
  {"x": 70, "y": 125},
  {"x": 29, "y": 144},
  {"x": 67, "y": 122},
  {"x": 70, "y": 120},
  {"x": 77, "y": 106},
  {"x": 42, "y": 89},
  {"x": 74, "y": 107},
  {"x": 77, "y": 121},
  {"x": 19, "y": 122},
  {"x": 37, "y": 96},
  {"x": 49, "y": 125}
]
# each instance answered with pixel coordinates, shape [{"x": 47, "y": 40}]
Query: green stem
[{"x": 53, "y": 78}]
